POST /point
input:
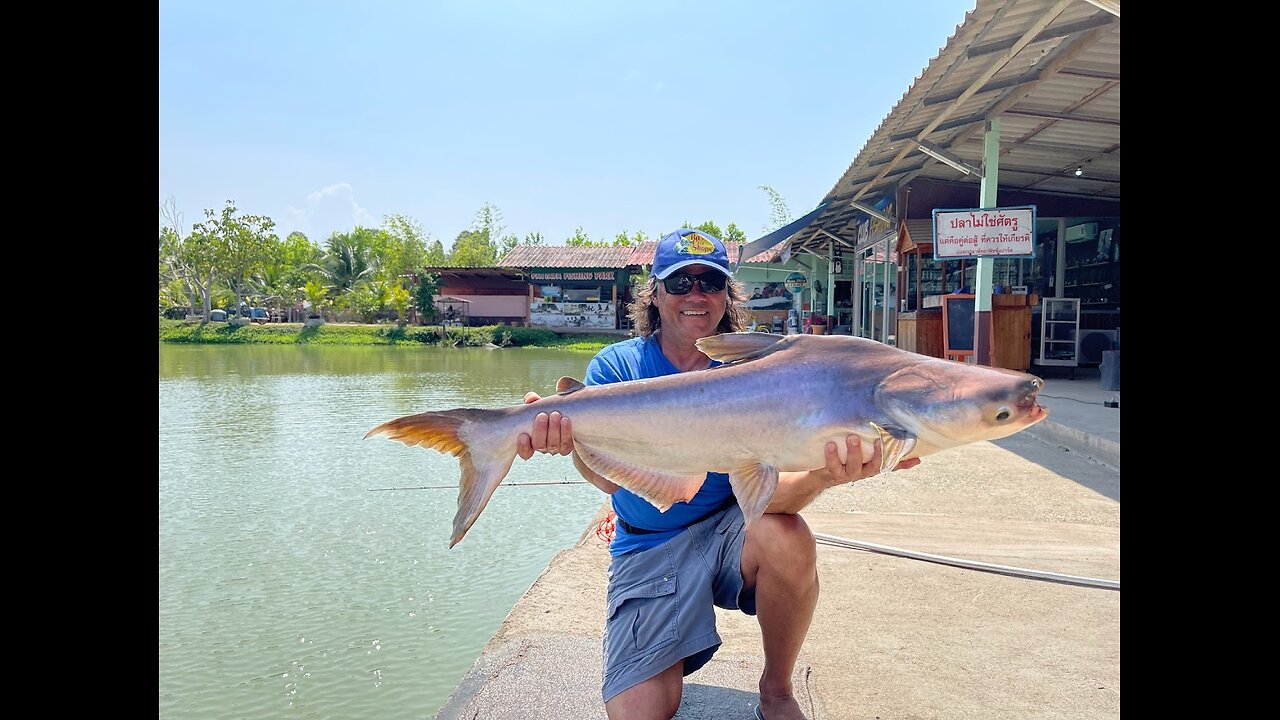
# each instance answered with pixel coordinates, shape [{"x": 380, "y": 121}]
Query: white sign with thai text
[{"x": 995, "y": 232}]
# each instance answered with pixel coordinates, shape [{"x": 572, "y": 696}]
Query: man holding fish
[{"x": 670, "y": 567}]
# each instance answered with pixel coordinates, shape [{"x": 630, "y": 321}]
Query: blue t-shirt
[{"x": 633, "y": 360}]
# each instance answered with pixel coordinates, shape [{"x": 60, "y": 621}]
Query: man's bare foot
[{"x": 779, "y": 707}]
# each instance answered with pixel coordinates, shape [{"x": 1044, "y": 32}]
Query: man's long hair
[{"x": 644, "y": 314}]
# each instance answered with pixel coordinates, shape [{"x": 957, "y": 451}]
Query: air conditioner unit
[
  {"x": 1086, "y": 231},
  {"x": 1095, "y": 342}
]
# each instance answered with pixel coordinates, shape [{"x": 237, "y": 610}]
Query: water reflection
[{"x": 286, "y": 586}]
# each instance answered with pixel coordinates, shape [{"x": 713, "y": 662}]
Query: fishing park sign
[{"x": 993, "y": 232}]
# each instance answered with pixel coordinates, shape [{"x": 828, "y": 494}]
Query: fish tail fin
[
  {"x": 432, "y": 430},
  {"x": 754, "y": 486},
  {"x": 482, "y": 472},
  {"x": 485, "y": 449}
]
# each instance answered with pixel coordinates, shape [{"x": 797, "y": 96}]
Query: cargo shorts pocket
[{"x": 643, "y": 617}]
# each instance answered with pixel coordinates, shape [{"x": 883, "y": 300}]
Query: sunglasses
[{"x": 682, "y": 283}]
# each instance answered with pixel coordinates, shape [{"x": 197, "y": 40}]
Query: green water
[{"x": 290, "y": 589}]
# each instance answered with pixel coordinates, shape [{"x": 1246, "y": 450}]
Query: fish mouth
[
  {"x": 1030, "y": 404},
  {"x": 1036, "y": 413}
]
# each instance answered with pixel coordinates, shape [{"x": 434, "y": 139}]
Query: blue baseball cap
[{"x": 686, "y": 247}]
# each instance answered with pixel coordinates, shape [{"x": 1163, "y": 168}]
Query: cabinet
[
  {"x": 1011, "y": 328},
  {"x": 1059, "y": 332},
  {"x": 1092, "y": 266},
  {"x": 922, "y": 277},
  {"x": 921, "y": 331}
]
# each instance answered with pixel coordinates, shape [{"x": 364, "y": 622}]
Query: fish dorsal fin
[
  {"x": 737, "y": 347},
  {"x": 566, "y": 385}
]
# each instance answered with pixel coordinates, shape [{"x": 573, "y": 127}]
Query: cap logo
[{"x": 694, "y": 244}]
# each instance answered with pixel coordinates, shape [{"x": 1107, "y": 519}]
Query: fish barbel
[{"x": 772, "y": 407}]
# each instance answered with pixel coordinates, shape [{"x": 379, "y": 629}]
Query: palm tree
[{"x": 348, "y": 261}]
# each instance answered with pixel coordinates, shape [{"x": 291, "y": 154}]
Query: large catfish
[{"x": 773, "y": 406}]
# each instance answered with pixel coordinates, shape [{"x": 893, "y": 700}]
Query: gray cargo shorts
[{"x": 660, "y": 604}]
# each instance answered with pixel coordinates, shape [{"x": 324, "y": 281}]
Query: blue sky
[{"x": 609, "y": 115}]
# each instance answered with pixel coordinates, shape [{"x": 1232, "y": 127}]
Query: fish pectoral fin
[
  {"x": 753, "y": 485},
  {"x": 662, "y": 490},
  {"x": 566, "y": 385},
  {"x": 739, "y": 347},
  {"x": 896, "y": 444}
]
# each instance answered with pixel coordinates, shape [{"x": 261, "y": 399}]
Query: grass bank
[{"x": 180, "y": 331}]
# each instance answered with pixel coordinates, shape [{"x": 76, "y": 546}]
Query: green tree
[
  {"x": 623, "y": 239},
  {"x": 579, "y": 238},
  {"x": 733, "y": 234},
  {"x": 283, "y": 271},
  {"x": 399, "y": 298},
  {"x": 424, "y": 296},
  {"x": 317, "y": 294},
  {"x": 478, "y": 245},
  {"x": 489, "y": 222},
  {"x": 239, "y": 245},
  {"x": 406, "y": 247},
  {"x": 508, "y": 243},
  {"x": 367, "y": 300},
  {"x": 780, "y": 213},
  {"x": 349, "y": 260},
  {"x": 729, "y": 234},
  {"x": 191, "y": 259},
  {"x": 472, "y": 248},
  {"x": 436, "y": 256},
  {"x": 295, "y": 254}
]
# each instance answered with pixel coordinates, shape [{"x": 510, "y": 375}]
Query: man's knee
[
  {"x": 657, "y": 697},
  {"x": 785, "y": 542}
]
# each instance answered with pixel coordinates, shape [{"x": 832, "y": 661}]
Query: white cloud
[{"x": 329, "y": 210}]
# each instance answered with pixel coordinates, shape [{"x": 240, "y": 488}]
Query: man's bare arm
[
  {"x": 553, "y": 434},
  {"x": 797, "y": 489}
]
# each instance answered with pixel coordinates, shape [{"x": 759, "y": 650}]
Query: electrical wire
[
  {"x": 606, "y": 527},
  {"x": 837, "y": 541}
]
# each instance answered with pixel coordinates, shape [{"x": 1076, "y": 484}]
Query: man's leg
[
  {"x": 780, "y": 559},
  {"x": 657, "y": 698}
]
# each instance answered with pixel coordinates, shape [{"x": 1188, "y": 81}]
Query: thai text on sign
[{"x": 994, "y": 232}]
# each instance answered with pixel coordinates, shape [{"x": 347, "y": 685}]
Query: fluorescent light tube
[{"x": 870, "y": 211}]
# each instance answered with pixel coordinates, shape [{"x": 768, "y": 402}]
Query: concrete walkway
[{"x": 891, "y": 637}]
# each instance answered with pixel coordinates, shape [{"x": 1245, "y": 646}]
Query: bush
[
  {"x": 179, "y": 331},
  {"x": 520, "y": 336}
]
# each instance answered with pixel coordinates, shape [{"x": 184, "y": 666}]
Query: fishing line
[
  {"x": 837, "y": 541},
  {"x": 969, "y": 564},
  {"x": 455, "y": 487}
]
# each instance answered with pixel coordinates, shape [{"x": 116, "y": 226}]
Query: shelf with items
[
  {"x": 921, "y": 277},
  {"x": 1059, "y": 332}
]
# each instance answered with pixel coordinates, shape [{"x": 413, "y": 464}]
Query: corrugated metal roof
[
  {"x": 1049, "y": 69},
  {"x": 562, "y": 256},
  {"x": 559, "y": 256},
  {"x": 472, "y": 273}
]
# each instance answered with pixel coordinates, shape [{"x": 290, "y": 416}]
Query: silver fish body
[{"x": 771, "y": 408}]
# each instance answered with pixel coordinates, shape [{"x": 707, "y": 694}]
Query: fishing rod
[{"x": 455, "y": 487}]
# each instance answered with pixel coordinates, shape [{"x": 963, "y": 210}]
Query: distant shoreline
[{"x": 221, "y": 333}]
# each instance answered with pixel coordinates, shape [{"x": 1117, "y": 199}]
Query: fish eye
[{"x": 1003, "y": 414}]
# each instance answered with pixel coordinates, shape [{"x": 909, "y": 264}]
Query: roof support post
[{"x": 982, "y": 322}]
